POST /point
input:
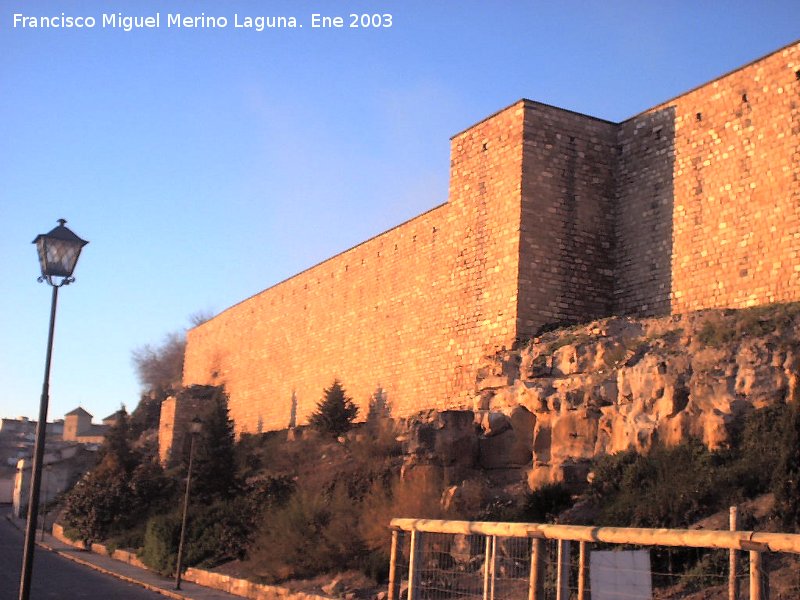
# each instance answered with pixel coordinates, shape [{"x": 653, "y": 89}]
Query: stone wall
[
  {"x": 412, "y": 311},
  {"x": 566, "y": 263},
  {"x": 176, "y": 415},
  {"x": 552, "y": 217},
  {"x": 708, "y": 195}
]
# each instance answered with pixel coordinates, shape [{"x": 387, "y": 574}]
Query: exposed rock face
[
  {"x": 571, "y": 395},
  {"x": 619, "y": 383}
]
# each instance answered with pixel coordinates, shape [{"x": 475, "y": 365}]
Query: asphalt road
[{"x": 55, "y": 577}]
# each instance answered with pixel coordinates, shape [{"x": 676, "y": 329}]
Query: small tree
[
  {"x": 160, "y": 367},
  {"x": 116, "y": 453},
  {"x": 335, "y": 412},
  {"x": 214, "y": 459}
]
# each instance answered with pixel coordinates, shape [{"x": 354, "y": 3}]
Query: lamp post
[
  {"x": 195, "y": 427},
  {"x": 58, "y": 254}
]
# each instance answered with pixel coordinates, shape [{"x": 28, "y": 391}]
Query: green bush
[
  {"x": 215, "y": 533},
  {"x": 160, "y": 548}
]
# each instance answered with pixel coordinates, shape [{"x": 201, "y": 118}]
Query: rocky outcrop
[{"x": 574, "y": 394}]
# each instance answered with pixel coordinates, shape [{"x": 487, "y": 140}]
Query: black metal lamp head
[{"x": 58, "y": 254}]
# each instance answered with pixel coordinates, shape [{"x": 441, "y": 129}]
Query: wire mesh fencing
[{"x": 444, "y": 560}]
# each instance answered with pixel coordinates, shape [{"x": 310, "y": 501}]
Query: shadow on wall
[{"x": 645, "y": 205}]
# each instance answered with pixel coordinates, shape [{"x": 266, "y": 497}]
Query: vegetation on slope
[{"x": 322, "y": 502}]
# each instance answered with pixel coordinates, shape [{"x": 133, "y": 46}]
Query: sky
[{"x": 207, "y": 164}]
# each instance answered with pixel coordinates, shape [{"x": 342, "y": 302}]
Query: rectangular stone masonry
[{"x": 552, "y": 217}]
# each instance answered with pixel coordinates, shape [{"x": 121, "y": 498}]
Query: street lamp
[
  {"x": 58, "y": 254},
  {"x": 195, "y": 427}
]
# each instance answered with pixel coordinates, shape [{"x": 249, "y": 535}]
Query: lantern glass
[
  {"x": 196, "y": 426},
  {"x": 59, "y": 251}
]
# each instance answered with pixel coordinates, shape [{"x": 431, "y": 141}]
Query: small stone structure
[
  {"x": 78, "y": 427},
  {"x": 552, "y": 217},
  {"x": 177, "y": 413}
]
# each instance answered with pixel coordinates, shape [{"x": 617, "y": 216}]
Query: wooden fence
[{"x": 535, "y": 535}]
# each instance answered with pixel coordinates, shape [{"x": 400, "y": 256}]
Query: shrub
[
  {"x": 671, "y": 487},
  {"x": 312, "y": 533},
  {"x": 716, "y": 333},
  {"x": 215, "y": 533},
  {"x": 97, "y": 505},
  {"x": 760, "y": 447},
  {"x": 419, "y": 495},
  {"x": 160, "y": 548},
  {"x": 786, "y": 483},
  {"x": 545, "y": 503},
  {"x": 335, "y": 412},
  {"x": 108, "y": 501}
]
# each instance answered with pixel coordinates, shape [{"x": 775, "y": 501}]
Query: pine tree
[
  {"x": 335, "y": 412},
  {"x": 214, "y": 469}
]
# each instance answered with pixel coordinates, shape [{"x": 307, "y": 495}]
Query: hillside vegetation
[{"x": 286, "y": 505}]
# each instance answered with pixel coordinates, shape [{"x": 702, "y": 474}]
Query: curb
[
  {"x": 86, "y": 563},
  {"x": 91, "y": 565}
]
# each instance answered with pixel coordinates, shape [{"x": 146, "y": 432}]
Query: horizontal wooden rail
[{"x": 693, "y": 538}]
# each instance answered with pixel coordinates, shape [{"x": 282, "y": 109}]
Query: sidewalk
[{"x": 126, "y": 572}]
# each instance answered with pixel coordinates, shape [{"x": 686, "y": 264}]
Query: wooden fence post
[
  {"x": 536, "y": 584},
  {"x": 755, "y": 575},
  {"x": 733, "y": 569},
  {"x": 487, "y": 566},
  {"x": 394, "y": 580},
  {"x": 562, "y": 577},
  {"x": 493, "y": 567},
  {"x": 413, "y": 567},
  {"x": 583, "y": 558}
]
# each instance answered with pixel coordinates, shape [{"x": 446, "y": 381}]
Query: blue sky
[{"x": 204, "y": 165}]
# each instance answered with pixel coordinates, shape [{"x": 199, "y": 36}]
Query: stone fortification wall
[
  {"x": 708, "y": 210},
  {"x": 552, "y": 217},
  {"x": 412, "y": 311},
  {"x": 566, "y": 262},
  {"x": 175, "y": 419}
]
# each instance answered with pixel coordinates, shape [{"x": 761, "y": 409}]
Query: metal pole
[
  {"x": 38, "y": 457},
  {"x": 179, "y": 567}
]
